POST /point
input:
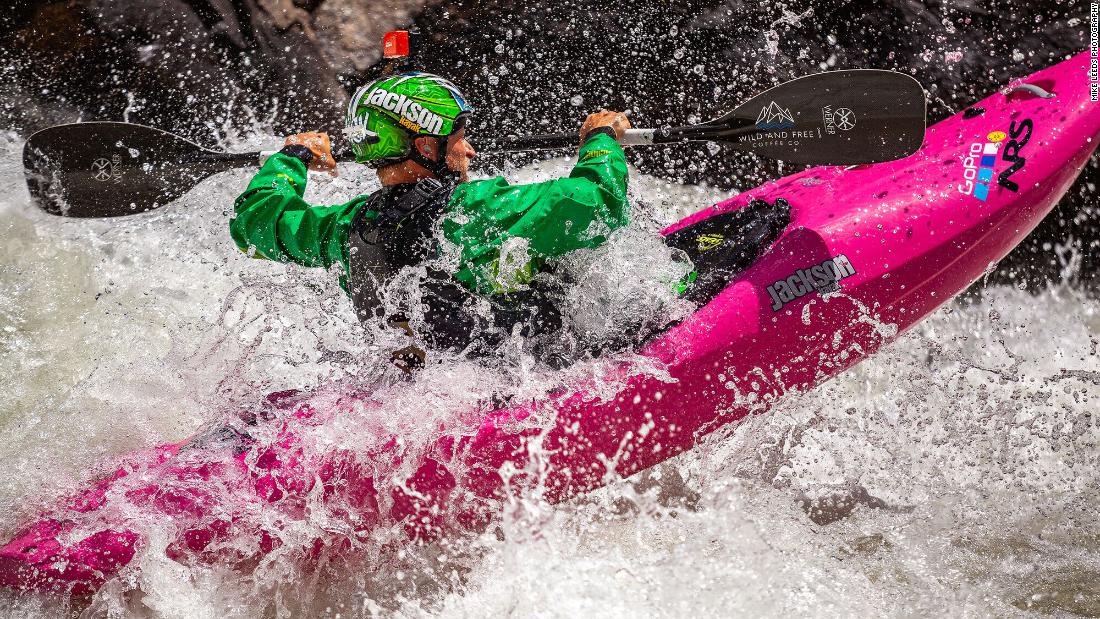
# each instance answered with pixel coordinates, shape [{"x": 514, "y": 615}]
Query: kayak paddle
[
  {"x": 109, "y": 169},
  {"x": 837, "y": 118}
]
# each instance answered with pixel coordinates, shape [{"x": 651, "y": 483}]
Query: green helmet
[{"x": 386, "y": 115}]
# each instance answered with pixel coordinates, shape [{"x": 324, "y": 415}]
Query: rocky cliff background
[
  {"x": 205, "y": 68},
  {"x": 189, "y": 66}
]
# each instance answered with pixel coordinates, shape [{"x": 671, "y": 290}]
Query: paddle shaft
[
  {"x": 549, "y": 141},
  {"x": 632, "y": 137},
  {"x": 215, "y": 162}
]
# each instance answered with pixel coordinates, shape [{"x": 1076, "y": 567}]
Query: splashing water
[{"x": 952, "y": 474}]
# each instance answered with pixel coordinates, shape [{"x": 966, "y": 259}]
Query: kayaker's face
[{"x": 459, "y": 154}]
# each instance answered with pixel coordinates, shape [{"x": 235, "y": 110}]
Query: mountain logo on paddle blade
[{"x": 773, "y": 116}]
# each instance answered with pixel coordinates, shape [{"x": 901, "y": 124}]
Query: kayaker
[{"x": 412, "y": 128}]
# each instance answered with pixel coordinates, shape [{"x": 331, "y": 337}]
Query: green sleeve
[
  {"x": 273, "y": 221},
  {"x": 553, "y": 218}
]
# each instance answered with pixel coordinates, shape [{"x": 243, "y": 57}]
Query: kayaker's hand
[
  {"x": 617, "y": 121},
  {"x": 321, "y": 147}
]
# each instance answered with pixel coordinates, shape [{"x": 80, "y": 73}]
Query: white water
[{"x": 953, "y": 474}]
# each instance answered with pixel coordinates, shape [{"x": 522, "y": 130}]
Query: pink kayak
[{"x": 869, "y": 252}]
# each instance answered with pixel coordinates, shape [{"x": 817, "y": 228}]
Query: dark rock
[
  {"x": 351, "y": 34},
  {"x": 194, "y": 67}
]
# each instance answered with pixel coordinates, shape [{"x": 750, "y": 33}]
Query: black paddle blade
[
  {"x": 108, "y": 169},
  {"x": 836, "y": 118}
]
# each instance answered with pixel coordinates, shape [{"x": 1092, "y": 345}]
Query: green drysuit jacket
[{"x": 274, "y": 222}]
